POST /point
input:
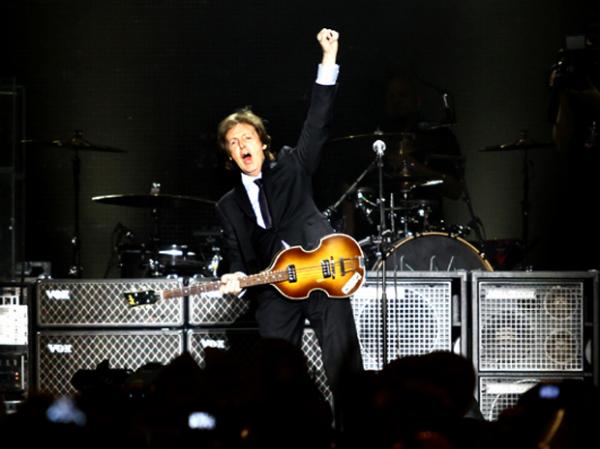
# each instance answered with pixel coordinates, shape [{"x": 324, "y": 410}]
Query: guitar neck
[{"x": 264, "y": 277}]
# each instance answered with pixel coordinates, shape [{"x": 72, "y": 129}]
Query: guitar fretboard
[{"x": 265, "y": 277}]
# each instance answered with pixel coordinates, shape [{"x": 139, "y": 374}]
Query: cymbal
[
  {"x": 75, "y": 143},
  {"x": 425, "y": 144},
  {"x": 156, "y": 201},
  {"x": 372, "y": 136},
  {"x": 520, "y": 144}
]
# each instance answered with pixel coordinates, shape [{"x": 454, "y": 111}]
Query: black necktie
[{"x": 264, "y": 206}]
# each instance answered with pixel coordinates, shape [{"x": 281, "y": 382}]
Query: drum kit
[
  {"x": 155, "y": 258},
  {"x": 140, "y": 259},
  {"x": 402, "y": 229},
  {"x": 403, "y": 232},
  {"x": 400, "y": 206}
]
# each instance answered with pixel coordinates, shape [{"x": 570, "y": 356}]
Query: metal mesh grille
[
  {"x": 500, "y": 393},
  {"x": 101, "y": 303},
  {"x": 314, "y": 358},
  {"x": 214, "y": 308},
  {"x": 418, "y": 320},
  {"x": 61, "y": 354},
  {"x": 531, "y": 327}
]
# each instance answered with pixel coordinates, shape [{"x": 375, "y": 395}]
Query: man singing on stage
[{"x": 271, "y": 207}]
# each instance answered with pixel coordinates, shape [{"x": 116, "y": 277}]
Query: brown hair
[{"x": 246, "y": 116}]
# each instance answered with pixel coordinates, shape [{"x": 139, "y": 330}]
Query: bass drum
[{"x": 434, "y": 251}]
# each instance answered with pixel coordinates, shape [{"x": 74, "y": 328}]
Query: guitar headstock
[{"x": 141, "y": 298}]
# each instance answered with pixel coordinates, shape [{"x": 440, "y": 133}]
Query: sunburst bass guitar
[{"x": 336, "y": 266}]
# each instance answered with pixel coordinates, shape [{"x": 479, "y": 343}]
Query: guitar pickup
[
  {"x": 291, "y": 271},
  {"x": 326, "y": 268}
]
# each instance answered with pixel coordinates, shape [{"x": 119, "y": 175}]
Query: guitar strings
[{"x": 353, "y": 264}]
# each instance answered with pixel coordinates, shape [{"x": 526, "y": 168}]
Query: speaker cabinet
[
  {"x": 212, "y": 308},
  {"x": 497, "y": 393},
  {"x": 242, "y": 342},
  {"x": 60, "y": 354},
  {"x": 424, "y": 313},
  {"x": 529, "y": 326},
  {"x": 314, "y": 358},
  {"x": 101, "y": 303}
]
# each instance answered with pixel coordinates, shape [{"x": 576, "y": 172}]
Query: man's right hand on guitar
[{"x": 230, "y": 283}]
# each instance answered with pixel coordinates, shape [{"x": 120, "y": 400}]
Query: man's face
[{"x": 245, "y": 148}]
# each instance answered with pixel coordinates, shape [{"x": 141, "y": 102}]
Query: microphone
[{"x": 379, "y": 147}]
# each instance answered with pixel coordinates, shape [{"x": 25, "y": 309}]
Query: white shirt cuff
[{"x": 327, "y": 74}]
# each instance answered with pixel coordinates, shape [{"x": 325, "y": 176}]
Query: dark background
[{"x": 154, "y": 77}]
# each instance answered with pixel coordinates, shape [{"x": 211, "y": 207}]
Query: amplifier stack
[{"x": 517, "y": 327}]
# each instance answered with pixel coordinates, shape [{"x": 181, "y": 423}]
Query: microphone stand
[{"x": 379, "y": 148}]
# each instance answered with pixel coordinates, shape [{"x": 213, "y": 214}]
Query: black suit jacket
[{"x": 288, "y": 186}]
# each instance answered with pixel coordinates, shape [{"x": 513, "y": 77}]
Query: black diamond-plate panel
[
  {"x": 418, "y": 319},
  {"x": 101, "y": 303},
  {"x": 212, "y": 308},
  {"x": 61, "y": 353},
  {"x": 531, "y": 326}
]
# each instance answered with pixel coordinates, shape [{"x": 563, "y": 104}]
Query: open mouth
[{"x": 246, "y": 157}]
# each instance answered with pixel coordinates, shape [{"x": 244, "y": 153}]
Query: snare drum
[
  {"x": 434, "y": 251},
  {"x": 179, "y": 260}
]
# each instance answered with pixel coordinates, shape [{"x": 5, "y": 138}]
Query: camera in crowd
[{"x": 578, "y": 64}]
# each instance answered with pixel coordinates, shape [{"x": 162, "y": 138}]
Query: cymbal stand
[
  {"x": 328, "y": 212},
  {"x": 379, "y": 148},
  {"x": 525, "y": 208},
  {"x": 405, "y": 216},
  {"x": 154, "y": 263},
  {"x": 392, "y": 215},
  {"x": 75, "y": 269}
]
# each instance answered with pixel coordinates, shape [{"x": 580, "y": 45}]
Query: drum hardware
[
  {"x": 76, "y": 143},
  {"x": 124, "y": 251},
  {"x": 524, "y": 143},
  {"x": 154, "y": 258},
  {"x": 328, "y": 212},
  {"x": 177, "y": 259}
]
